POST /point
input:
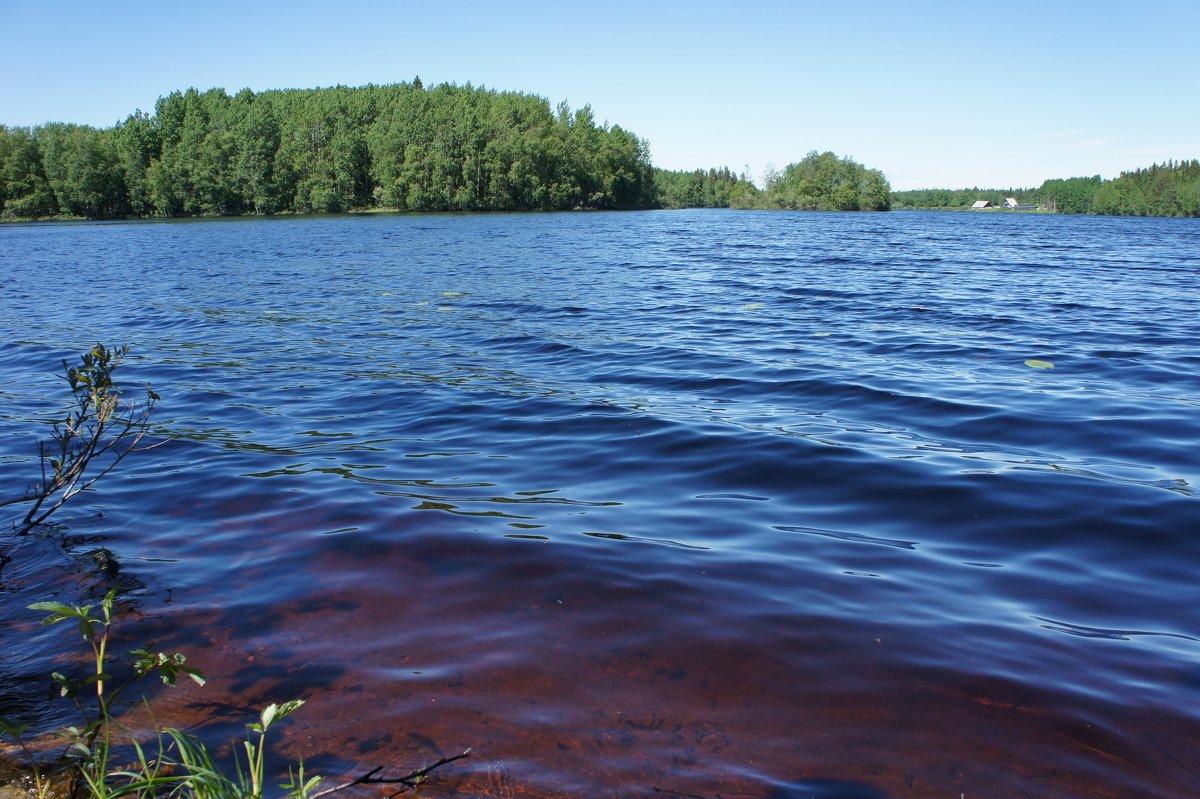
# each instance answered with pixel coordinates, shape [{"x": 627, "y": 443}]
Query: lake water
[{"x": 737, "y": 504}]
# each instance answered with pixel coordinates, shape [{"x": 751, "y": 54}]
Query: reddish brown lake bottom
[{"x": 569, "y": 679}]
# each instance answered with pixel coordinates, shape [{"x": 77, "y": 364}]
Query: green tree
[
  {"x": 83, "y": 170},
  {"x": 825, "y": 182},
  {"x": 23, "y": 185},
  {"x": 714, "y": 188},
  {"x": 137, "y": 145},
  {"x": 1069, "y": 196},
  {"x": 180, "y": 131},
  {"x": 326, "y": 150},
  {"x": 256, "y": 133}
]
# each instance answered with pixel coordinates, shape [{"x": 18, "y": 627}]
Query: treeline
[
  {"x": 820, "y": 182},
  {"x": 825, "y": 182},
  {"x": 327, "y": 150},
  {"x": 402, "y": 146},
  {"x": 712, "y": 188},
  {"x": 955, "y": 199},
  {"x": 1168, "y": 189}
]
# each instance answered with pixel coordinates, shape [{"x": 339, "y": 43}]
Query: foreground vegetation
[
  {"x": 97, "y": 432},
  {"x": 1168, "y": 189},
  {"x": 173, "y": 762}
]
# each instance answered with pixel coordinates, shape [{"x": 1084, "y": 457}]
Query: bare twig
[
  {"x": 656, "y": 789},
  {"x": 408, "y": 780},
  {"x": 98, "y": 427}
]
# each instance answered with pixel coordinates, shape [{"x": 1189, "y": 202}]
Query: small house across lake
[{"x": 1010, "y": 204}]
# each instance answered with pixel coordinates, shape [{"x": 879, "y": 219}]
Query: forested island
[
  {"x": 395, "y": 147},
  {"x": 1168, "y": 189},
  {"x": 327, "y": 150},
  {"x": 820, "y": 182}
]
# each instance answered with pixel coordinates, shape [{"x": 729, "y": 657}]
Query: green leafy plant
[
  {"x": 96, "y": 433},
  {"x": 181, "y": 763},
  {"x": 184, "y": 765},
  {"x": 255, "y": 751},
  {"x": 95, "y": 631},
  {"x": 89, "y": 744}
]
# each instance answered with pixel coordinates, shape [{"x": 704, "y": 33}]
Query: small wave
[
  {"x": 857, "y": 538},
  {"x": 1103, "y": 632},
  {"x": 641, "y": 540},
  {"x": 748, "y": 497}
]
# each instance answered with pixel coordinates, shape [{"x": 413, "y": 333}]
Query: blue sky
[{"x": 993, "y": 93}]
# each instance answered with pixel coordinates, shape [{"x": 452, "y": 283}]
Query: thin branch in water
[
  {"x": 656, "y": 789},
  {"x": 409, "y": 781}
]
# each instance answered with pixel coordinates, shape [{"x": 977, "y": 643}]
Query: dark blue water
[{"x": 738, "y": 504}]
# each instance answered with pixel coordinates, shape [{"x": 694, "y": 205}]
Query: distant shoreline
[{"x": 454, "y": 148}]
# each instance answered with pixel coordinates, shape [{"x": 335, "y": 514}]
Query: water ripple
[{"x": 755, "y": 501}]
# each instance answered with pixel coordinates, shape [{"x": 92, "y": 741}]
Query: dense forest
[
  {"x": 452, "y": 148},
  {"x": 702, "y": 188},
  {"x": 327, "y": 150},
  {"x": 825, "y": 182},
  {"x": 1168, "y": 189},
  {"x": 402, "y": 146},
  {"x": 955, "y": 199},
  {"x": 820, "y": 182}
]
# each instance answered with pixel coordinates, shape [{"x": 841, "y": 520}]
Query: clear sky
[{"x": 989, "y": 93}]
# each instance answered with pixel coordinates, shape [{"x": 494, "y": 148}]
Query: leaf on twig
[
  {"x": 169, "y": 666},
  {"x": 13, "y": 728},
  {"x": 58, "y": 611}
]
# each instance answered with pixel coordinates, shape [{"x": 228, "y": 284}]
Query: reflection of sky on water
[{"x": 740, "y": 499}]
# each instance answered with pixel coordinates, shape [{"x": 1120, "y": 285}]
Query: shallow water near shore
[{"x": 705, "y": 503}]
